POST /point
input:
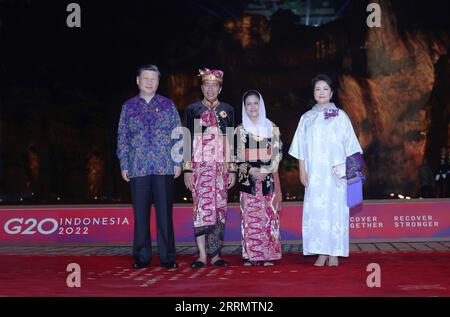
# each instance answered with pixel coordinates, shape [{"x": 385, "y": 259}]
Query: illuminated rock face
[
  {"x": 390, "y": 109},
  {"x": 184, "y": 88},
  {"x": 250, "y": 31}
]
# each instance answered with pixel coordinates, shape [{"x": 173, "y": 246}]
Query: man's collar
[
  {"x": 153, "y": 98},
  {"x": 210, "y": 104}
]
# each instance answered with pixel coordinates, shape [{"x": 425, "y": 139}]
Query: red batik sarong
[
  {"x": 260, "y": 227},
  {"x": 210, "y": 170}
]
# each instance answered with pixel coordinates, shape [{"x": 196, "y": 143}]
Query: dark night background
[{"x": 61, "y": 88}]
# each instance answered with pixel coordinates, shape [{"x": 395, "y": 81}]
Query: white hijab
[{"x": 263, "y": 127}]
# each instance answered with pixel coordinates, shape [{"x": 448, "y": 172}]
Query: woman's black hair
[
  {"x": 322, "y": 77},
  {"x": 249, "y": 93}
]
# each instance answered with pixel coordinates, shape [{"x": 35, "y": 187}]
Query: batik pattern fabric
[
  {"x": 245, "y": 141},
  {"x": 210, "y": 170},
  {"x": 210, "y": 193},
  {"x": 355, "y": 167},
  {"x": 145, "y": 143},
  {"x": 260, "y": 226},
  {"x": 214, "y": 237}
]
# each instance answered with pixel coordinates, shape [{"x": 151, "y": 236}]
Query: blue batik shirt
[{"x": 144, "y": 141}]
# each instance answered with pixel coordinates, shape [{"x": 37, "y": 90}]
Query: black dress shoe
[
  {"x": 140, "y": 265},
  {"x": 197, "y": 264},
  {"x": 221, "y": 263},
  {"x": 170, "y": 265}
]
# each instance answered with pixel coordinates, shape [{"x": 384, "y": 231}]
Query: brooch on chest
[
  {"x": 329, "y": 113},
  {"x": 223, "y": 114},
  {"x": 257, "y": 138}
]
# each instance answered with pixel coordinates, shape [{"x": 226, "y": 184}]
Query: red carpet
[{"x": 402, "y": 274}]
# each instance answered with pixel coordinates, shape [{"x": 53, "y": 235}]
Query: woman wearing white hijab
[{"x": 258, "y": 153}]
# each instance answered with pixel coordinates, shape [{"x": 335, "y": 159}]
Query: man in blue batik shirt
[{"x": 144, "y": 149}]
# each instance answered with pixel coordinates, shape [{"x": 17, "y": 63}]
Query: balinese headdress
[{"x": 211, "y": 74}]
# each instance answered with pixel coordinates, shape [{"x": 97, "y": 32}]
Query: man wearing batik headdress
[{"x": 208, "y": 169}]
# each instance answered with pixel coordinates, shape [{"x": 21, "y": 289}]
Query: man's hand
[
  {"x": 176, "y": 171},
  {"x": 189, "y": 181},
  {"x": 231, "y": 180},
  {"x": 125, "y": 176}
]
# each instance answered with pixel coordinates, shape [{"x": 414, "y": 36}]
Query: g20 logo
[{"x": 19, "y": 226}]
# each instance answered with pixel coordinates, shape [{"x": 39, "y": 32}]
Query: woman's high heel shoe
[
  {"x": 333, "y": 261},
  {"x": 321, "y": 260}
]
